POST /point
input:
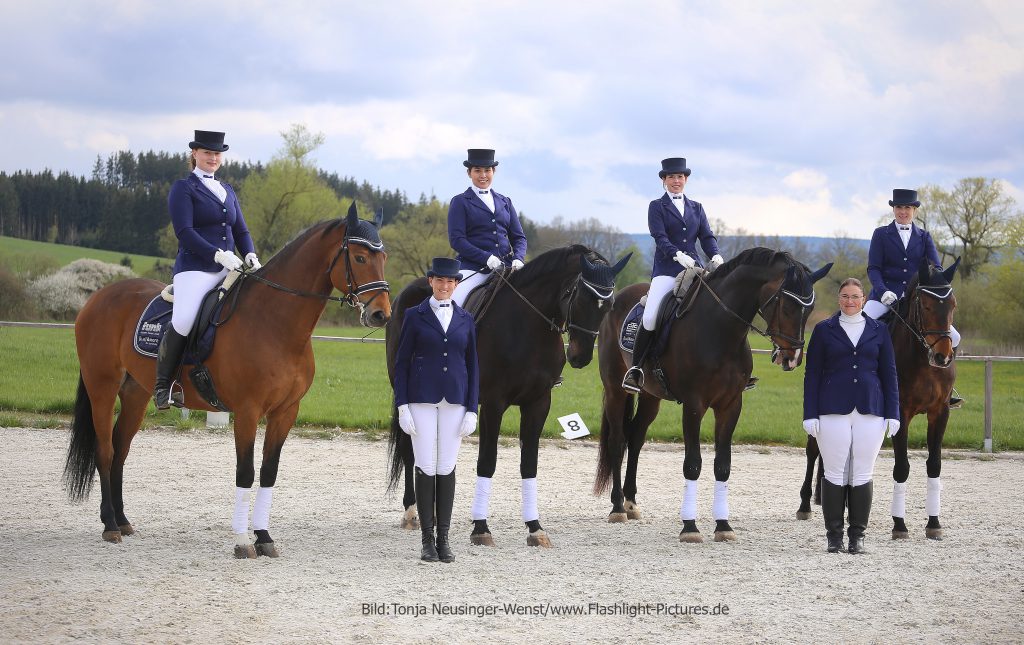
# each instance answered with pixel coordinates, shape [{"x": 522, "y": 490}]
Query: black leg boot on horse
[
  {"x": 425, "y": 494},
  {"x": 860, "y": 509},
  {"x": 633, "y": 381},
  {"x": 445, "y": 502},
  {"x": 833, "y": 508},
  {"x": 168, "y": 359}
]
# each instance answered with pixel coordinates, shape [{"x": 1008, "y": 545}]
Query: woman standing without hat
[
  {"x": 436, "y": 390},
  {"x": 676, "y": 223},
  {"x": 895, "y": 255},
  {"x": 209, "y": 225},
  {"x": 851, "y": 401},
  {"x": 483, "y": 227}
]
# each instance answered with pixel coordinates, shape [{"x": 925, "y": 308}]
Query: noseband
[{"x": 917, "y": 315}]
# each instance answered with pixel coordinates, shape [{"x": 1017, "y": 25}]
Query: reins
[
  {"x": 552, "y": 323},
  {"x": 920, "y": 334}
]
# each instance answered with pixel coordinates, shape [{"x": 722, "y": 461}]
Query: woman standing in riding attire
[
  {"x": 208, "y": 223},
  {"x": 436, "y": 391},
  {"x": 895, "y": 255},
  {"x": 483, "y": 227},
  {"x": 676, "y": 223},
  {"x": 851, "y": 401}
]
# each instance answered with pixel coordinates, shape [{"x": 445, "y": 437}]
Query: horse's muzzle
[
  {"x": 789, "y": 359},
  {"x": 375, "y": 318}
]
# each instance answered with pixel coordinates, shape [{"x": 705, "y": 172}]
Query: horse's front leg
[
  {"x": 245, "y": 474},
  {"x": 531, "y": 425},
  {"x": 900, "y": 473},
  {"x": 636, "y": 436},
  {"x": 725, "y": 423},
  {"x": 693, "y": 412},
  {"x": 811, "y": 450},
  {"x": 938, "y": 416},
  {"x": 279, "y": 424},
  {"x": 486, "y": 462}
]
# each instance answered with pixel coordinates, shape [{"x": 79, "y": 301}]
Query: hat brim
[
  {"x": 472, "y": 164},
  {"x": 208, "y": 146},
  {"x": 665, "y": 173},
  {"x": 914, "y": 204}
]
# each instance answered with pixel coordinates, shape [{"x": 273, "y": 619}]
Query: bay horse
[
  {"x": 262, "y": 362},
  {"x": 706, "y": 364},
  {"x": 521, "y": 355},
  {"x": 926, "y": 372}
]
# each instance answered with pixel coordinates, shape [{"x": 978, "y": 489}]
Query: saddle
[
  {"x": 677, "y": 305},
  {"x": 480, "y": 298}
]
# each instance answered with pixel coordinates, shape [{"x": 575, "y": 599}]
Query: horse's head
[
  {"x": 787, "y": 303},
  {"x": 358, "y": 270},
  {"x": 586, "y": 302},
  {"x": 931, "y": 305}
]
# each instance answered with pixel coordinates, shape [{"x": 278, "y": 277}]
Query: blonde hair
[{"x": 191, "y": 160}]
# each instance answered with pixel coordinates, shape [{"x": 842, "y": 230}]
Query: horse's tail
[
  {"x": 81, "y": 462},
  {"x": 399, "y": 451},
  {"x": 610, "y": 451}
]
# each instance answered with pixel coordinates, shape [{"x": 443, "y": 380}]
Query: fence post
[
  {"x": 217, "y": 419},
  {"x": 988, "y": 405}
]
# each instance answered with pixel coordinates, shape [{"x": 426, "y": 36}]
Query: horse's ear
[
  {"x": 585, "y": 265},
  {"x": 378, "y": 221},
  {"x": 821, "y": 273},
  {"x": 353, "y": 216},
  {"x": 948, "y": 273},
  {"x": 621, "y": 264},
  {"x": 924, "y": 271}
]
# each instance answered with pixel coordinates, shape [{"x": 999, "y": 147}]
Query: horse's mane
[
  {"x": 324, "y": 227},
  {"x": 553, "y": 261},
  {"x": 756, "y": 256}
]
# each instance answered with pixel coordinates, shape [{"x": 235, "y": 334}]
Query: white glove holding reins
[
  {"x": 811, "y": 427},
  {"x": 892, "y": 426},
  {"x": 468, "y": 426},
  {"x": 888, "y": 298},
  {"x": 716, "y": 261},
  {"x": 517, "y": 264},
  {"x": 228, "y": 260},
  {"x": 252, "y": 261},
  {"x": 405, "y": 421},
  {"x": 493, "y": 262},
  {"x": 684, "y": 259}
]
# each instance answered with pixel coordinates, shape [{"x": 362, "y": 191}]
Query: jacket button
[
  {"x": 224, "y": 210},
  {"x": 854, "y": 367},
  {"x": 684, "y": 228},
  {"x": 445, "y": 354},
  {"x": 444, "y": 369},
  {"x": 495, "y": 244},
  {"x": 223, "y": 238},
  {"x": 854, "y": 380},
  {"x": 904, "y": 270},
  {"x": 492, "y": 219},
  {"x": 446, "y": 340},
  {"x": 904, "y": 259}
]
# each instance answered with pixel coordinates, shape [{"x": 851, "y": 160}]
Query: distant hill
[{"x": 17, "y": 252}]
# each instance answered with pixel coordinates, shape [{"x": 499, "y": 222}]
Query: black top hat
[
  {"x": 445, "y": 268},
  {"x": 480, "y": 158},
  {"x": 904, "y": 197},
  {"x": 673, "y": 166},
  {"x": 209, "y": 141}
]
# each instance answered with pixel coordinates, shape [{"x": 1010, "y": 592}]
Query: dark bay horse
[
  {"x": 926, "y": 371},
  {"x": 706, "y": 364},
  {"x": 262, "y": 362},
  {"x": 521, "y": 355}
]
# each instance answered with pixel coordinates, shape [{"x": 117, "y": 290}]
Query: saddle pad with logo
[
  {"x": 154, "y": 322},
  {"x": 631, "y": 324}
]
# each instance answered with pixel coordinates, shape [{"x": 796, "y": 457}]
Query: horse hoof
[
  {"x": 803, "y": 515},
  {"x": 268, "y": 549},
  {"x": 632, "y": 510},
  {"x": 900, "y": 535},
  {"x": 617, "y": 518},
  {"x": 539, "y": 538},
  {"x": 933, "y": 534},
  {"x": 126, "y": 529},
  {"x": 725, "y": 536},
  {"x": 690, "y": 537},
  {"x": 410, "y": 521},
  {"x": 481, "y": 539},
  {"x": 112, "y": 536},
  {"x": 245, "y": 552}
]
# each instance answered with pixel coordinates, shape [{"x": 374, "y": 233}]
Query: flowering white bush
[{"x": 63, "y": 293}]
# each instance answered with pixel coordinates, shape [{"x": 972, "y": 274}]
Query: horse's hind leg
[
  {"x": 636, "y": 435},
  {"x": 804, "y": 512},
  {"x": 900, "y": 472},
  {"x": 103, "y": 390},
  {"x": 938, "y": 416},
  {"x": 134, "y": 399}
]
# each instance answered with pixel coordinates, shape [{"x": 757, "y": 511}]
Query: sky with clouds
[{"x": 797, "y": 118}]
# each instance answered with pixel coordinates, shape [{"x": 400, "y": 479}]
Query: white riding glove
[
  {"x": 468, "y": 426},
  {"x": 892, "y": 426},
  {"x": 252, "y": 261},
  {"x": 811, "y": 427},
  {"x": 517, "y": 264},
  {"x": 227, "y": 259},
  {"x": 888, "y": 298},
  {"x": 493, "y": 262},
  {"x": 684, "y": 259},
  {"x": 405, "y": 421},
  {"x": 716, "y": 261}
]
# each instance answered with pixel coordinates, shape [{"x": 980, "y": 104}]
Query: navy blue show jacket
[
  {"x": 890, "y": 265},
  {"x": 475, "y": 233},
  {"x": 204, "y": 225},
  {"x": 839, "y": 377},
  {"x": 673, "y": 232},
  {"x": 431, "y": 364}
]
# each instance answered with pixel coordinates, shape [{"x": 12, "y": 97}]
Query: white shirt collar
[
  {"x": 202, "y": 174},
  {"x": 851, "y": 320},
  {"x": 435, "y": 304}
]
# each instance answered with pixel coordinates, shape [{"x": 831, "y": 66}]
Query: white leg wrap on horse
[
  {"x": 261, "y": 509},
  {"x": 240, "y": 518},
  {"x": 720, "y": 506},
  {"x": 530, "y": 500},
  {"x": 931, "y": 500},
  {"x": 481, "y": 498},
  {"x": 899, "y": 500},
  {"x": 688, "y": 510}
]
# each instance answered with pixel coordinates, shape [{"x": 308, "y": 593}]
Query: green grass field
[
  {"x": 19, "y": 253},
  {"x": 39, "y": 372}
]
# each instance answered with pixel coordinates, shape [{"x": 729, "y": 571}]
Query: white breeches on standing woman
[
  {"x": 849, "y": 445},
  {"x": 661, "y": 286},
  {"x": 875, "y": 309},
  {"x": 470, "y": 280},
  {"x": 189, "y": 289},
  {"x": 437, "y": 440}
]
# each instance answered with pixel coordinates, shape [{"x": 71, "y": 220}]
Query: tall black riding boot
[
  {"x": 168, "y": 358},
  {"x": 445, "y": 502},
  {"x": 833, "y": 507},
  {"x": 425, "y": 485},
  {"x": 633, "y": 381},
  {"x": 860, "y": 509}
]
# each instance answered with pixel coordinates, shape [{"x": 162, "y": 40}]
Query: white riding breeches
[
  {"x": 437, "y": 440},
  {"x": 849, "y": 445},
  {"x": 875, "y": 309},
  {"x": 189, "y": 289},
  {"x": 661, "y": 286},
  {"x": 470, "y": 280}
]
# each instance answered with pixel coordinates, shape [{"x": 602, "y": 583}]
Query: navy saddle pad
[
  {"x": 154, "y": 322},
  {"x": 631, "y": 324}
]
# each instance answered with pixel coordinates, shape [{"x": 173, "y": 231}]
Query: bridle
[
  {"x": 917, "y": 315},
  {"x": 601, "y": 292}
]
